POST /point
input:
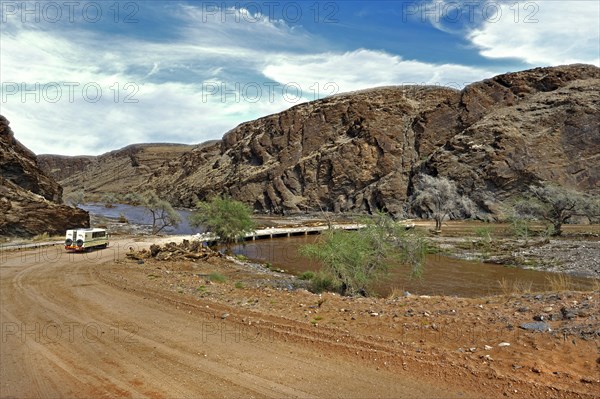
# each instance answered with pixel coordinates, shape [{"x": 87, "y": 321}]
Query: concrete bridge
[{"x": 276, "y": 232}]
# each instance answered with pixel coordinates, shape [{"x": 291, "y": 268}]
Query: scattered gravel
[{"x": 567, "y": 256}]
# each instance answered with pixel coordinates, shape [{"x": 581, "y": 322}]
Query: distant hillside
[
  {"x": 360, "y": 151},
  {"x": 120, "y": 171},
  {"x": 30, "y": 201}
]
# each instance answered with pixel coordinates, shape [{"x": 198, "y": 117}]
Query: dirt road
[{"x": 68, "y": 332}]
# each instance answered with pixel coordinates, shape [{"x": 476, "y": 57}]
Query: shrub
[
  {"x": 439, "y": 197},
  {"x": 308, "y": 275},
  {"x": 556, "y": 205},
  {"x": 230, "y": 220},
  {"x": 323, "y": 282},
  {"x": 75, "y": 198},
  {"x": 109, "y": 199},
  {"x": 217, "y": 278},
  {"x": 163, "y": 214},
  {"x": 355, "y": 259}
]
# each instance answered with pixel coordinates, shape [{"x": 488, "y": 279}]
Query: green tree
[
  {"x": 109, "y": 199},
  {"x": 355, "y": 259},
  {"x": 75, "y": 198},
  {"x": 133, "y": 198},
  {"x": 555, "y": 204},
  {"x": 229, "y": 219},
  {"x": 163, "y": 214},
  {"x": 592, "y": 210},
  {"x": 439, "y": 197}
]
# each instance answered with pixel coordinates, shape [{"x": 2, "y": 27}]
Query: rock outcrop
[
  {"x": 360, "y": 152},
  {"x": 352, "y": 152},
  {"x": 522, "y": 128},
  {"x": 61, "y": 167},
  {"x": 19, "y": 165},
  {"x": 29, "y": 199}
]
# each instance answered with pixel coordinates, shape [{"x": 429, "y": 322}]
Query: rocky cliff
[
  {"x": 359, "y": 151},
  {"x": 29, "y": 199},
  {"x": 19, "y": 165},
  {"x": 351, "y": 152},
  {"x": 120, "y": 171},
  {"x": 521, "y": 128}
]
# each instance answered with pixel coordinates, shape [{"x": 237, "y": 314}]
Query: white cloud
[
  {"x": 363, "y": 69},
  {"x": 542, "y": 32},
  {"x": 150, "y": 91},
  {"x": 178, "y": 83}
]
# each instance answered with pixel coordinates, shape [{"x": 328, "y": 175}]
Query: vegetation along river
[{"x": 442, "y": 275}]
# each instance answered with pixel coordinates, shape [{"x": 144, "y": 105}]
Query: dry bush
[{"x": 560, "y": 282}]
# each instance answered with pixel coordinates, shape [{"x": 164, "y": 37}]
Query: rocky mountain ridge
[
  {"x": 120, "y": 171},
  {"x": 361, "y": 151},
  {"x": 30, "y": 201}
]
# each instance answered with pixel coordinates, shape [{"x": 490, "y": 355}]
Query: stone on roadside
[{"x": 536, "y": 326}]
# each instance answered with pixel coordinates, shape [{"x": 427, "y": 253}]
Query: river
[
  {"x": 442, "y": 275},
  {"x": 140, "y": 215}
]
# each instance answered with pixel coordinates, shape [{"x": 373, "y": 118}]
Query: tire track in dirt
[
  {"x": 57, "y": 308},
  {"x": 55, "y": 353},
  {"x": 281, "y": 329},
  {"x": 163, "y": 360},
  {"x": 266, "y": 329},
  {"x": 437, "y": 365}
]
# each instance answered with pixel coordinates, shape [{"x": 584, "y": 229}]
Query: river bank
[
  {"x": 575, "y": 257},
  {"x": 576, "y": 253}
]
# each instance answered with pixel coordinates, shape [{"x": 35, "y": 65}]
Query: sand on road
[{"x": 68, "y": 333}]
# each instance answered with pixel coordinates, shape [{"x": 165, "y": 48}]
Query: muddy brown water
[{"x": 442, "y": 275}]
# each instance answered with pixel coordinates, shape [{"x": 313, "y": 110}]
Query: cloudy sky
[{"x": 86, "y": 77}]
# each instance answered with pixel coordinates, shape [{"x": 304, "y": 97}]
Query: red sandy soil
[{"x": 100, "y": 325}]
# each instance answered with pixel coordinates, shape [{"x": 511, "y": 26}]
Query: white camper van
[{"x": 85, "y": 239}]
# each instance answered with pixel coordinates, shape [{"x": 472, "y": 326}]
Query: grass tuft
[
  {"x": 217, "y": 278},
  {"x": 41, "y": 237},
  {"x": 509, "y": 287},
  {"x": 560, "y": 282}
]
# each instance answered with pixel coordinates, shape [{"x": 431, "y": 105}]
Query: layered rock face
[
  {"x": 19, "y": 165},
  {"x": 359, "y": 151},
  {"x": 351, "y": 152},
  {"x": 522, "y": 128},
  {"x": 120, "y": 171},
  {"x": 29, "y": 199},
  {"x": 61, "y": 167}
]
